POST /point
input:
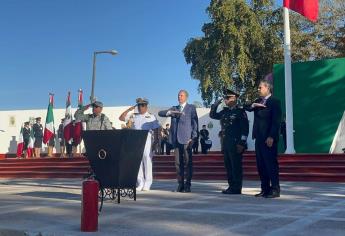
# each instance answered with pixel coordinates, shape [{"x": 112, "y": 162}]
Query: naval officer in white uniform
[{"x": 143, "y": 120}]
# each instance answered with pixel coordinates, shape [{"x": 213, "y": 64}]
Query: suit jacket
[
  {"x": 266, "y": 120},
  {"x": 183, "y": 127}
]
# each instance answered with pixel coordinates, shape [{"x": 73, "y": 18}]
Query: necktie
[{"x": 181, "y": 108}]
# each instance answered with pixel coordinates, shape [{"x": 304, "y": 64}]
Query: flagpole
[{"x": 290, "y": 149}]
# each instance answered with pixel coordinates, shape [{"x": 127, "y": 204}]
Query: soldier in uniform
[
  {"x": 26, "y": 137},
  {"x": 144, "y": 121},
  {"x": 235, "y": 129},
  {"x": 204, "y": 134},
  {"x": 95, "y": 121},
  {"x": 38, "y": 135},
  {"x": 61, "y": 139}
]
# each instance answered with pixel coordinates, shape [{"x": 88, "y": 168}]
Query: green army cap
[
  {"x": 26, "y": 123},
  {"x": 142, "y": 101},
  {"x": 230, "y": 91},
  {"x": 97, "y": 104}
]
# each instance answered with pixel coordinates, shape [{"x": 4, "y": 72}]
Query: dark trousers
[
  {"x": 267, "y": 164},
  {"x": 69, "y": 148},
  {"x": 183, "y": 163},
  {"x": 195, "y": 146},
  {"x": 233, "y": 166},
  {"x": 165, "y": 145},
  {"x": 203, "y": 146}
]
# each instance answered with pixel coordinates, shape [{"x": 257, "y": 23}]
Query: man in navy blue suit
[
  {"x": 183, "y": 129},
  {"x": 267, "y": 120}
]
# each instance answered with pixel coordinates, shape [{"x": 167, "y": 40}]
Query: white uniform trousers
[{"x": 144, "y": 180}]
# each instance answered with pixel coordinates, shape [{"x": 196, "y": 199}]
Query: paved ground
[{"x": 52, "y": 207}]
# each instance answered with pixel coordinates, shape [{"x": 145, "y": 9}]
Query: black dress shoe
[
  {"x": 231, "y": 191},
  {"x": 187, "y": 189},
  {"x": 180, "y": 188},
  {"x": 273, "y": 194},
  {"x": 226, "y": 191},
  {"x": 235, "y": 192},
  {"x": 261, "y": 194}
]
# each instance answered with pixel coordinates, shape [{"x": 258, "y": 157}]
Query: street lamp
[{"x": 112, "y": 52}]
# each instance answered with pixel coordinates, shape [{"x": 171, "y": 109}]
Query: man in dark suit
[
  {"x": 183, "y": 129},
  {"x": 267, "y": 120}
]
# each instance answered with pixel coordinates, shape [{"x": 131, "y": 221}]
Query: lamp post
[{"x": 112, "y": 52}]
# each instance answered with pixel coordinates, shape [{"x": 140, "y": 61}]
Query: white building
[{"x": 11, "y": 122}]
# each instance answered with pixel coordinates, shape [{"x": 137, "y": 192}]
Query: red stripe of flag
[{"x": 307, "y": 8}]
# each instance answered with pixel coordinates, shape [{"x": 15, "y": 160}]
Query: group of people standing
[
  {"x": 69, "y": 148},
  {"x": 266, "y": 130},
  {"x": 183, "y": 130},
  {"x": 235, "y": 130},
  {"x": 33, "y": 140}
]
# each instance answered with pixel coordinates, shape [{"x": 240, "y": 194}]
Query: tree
[
  {"x": 244, "y": 39},
  {"x": 230, "y": 51}
]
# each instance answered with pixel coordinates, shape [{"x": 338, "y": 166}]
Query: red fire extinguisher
[{"x": 89, "y": 206}]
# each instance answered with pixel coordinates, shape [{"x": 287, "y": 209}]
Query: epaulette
[{"x": 149, "y": 115}]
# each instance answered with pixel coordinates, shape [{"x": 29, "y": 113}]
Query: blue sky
[{"x": 47, "y": 46}]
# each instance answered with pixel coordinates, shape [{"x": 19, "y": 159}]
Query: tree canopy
[{"x": 244, "y": 39}]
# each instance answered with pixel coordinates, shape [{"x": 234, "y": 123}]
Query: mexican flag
[
  {"x": 20, "y": 144},
  {"x": 67, "y": 124},
  {"x": 307, "y": 8},
  {"x": 31, "y": 143},
  {"x": 49, "y": 128},
  {"x": 78, "y": 127}
]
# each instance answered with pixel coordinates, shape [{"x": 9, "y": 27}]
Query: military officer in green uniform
[
  {"x": 235, "y": 129},
  {"x": 95, "y": 121}
]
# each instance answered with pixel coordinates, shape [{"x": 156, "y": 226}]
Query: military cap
[
  {"x": 38, "y": 118},
  {"x": 229, "y": 91},
  {"x": 142, "y": 101},
  {"x": 97, "y": 104},
  {"x": 26, "y": 123}
]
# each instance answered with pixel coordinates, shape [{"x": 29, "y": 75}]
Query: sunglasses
[{"x": 142, "y": 105}]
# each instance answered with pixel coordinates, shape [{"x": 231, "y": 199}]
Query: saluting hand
[
  {"x": 87, "y": 106},
  {"x": 131, "y": 108}
]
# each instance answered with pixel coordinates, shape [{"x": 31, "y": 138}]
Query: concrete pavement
[{"x": 52, "y": 207}]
